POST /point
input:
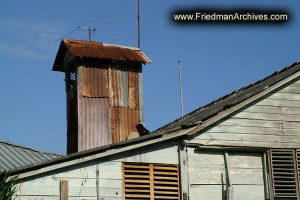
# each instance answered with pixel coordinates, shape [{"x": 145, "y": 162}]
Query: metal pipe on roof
[
  {"x": 180, "y": 84},
  {"x": 139, "y": 26}
]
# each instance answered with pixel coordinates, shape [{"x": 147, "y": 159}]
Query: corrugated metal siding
[
  {"x": 94, "y": 130},
  {"x": 14, "y": 156},
  {"x": 94, "y": 82},
  {"x": 133, "y": 82},
  {"x": 119, "y": 86},
  {"x": 124, "y": 123},
  {"x": 141, "y": 95},
  {"x": 109, "y": 107}
]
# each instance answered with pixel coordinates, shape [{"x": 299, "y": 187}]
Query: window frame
[{"x": 163, "y": 175}]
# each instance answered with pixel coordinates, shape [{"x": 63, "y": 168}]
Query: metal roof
[
  {"x": 97, "y": 50},
  {"x": 14, "y": 156},
  {"x": 203, "y": 113},
  {"x": 187, "y": 122}
]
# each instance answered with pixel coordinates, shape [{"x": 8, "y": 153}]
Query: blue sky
[{"x": 215, "y": 59}]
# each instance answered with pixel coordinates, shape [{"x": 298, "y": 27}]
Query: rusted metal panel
[
  {"x": 119, "y": 86},
  {"x": 124, "y": 123},
  {"x": 141, "y": 95},
  {"x": 133, "y": 82},
  {"x": 115, "y": 124},
  {"x": 95, "y": 123},
  {"x": 95, "y": 82},
  {"x": 87, "y": 49}
]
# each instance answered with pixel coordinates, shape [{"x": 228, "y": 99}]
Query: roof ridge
[{"x": 29, "y": 148}]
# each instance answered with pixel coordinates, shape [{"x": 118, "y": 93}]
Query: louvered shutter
[
  {"x": 284, "y": 173},
  {"x": 166, "y": 181},
  {"x": 150, "y": 181},
  {"x": 136, "y": 181}
]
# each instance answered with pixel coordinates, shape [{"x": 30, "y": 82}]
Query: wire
[
  {"x": 95, "y": 19},
  {"x": 78, "y": 27}
]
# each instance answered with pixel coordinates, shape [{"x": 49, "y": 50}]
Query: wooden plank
[
  {"x": 39, "y": 187},
  {"x": 293, "y": 89},
  {"x": 285, "y": 96},
  {"x": 151, "y": 172},
  {"x": 247, "y": 137},
  {"x": 30, "y": 197},
  {"x": 248, "y": 192},
  {"x": 277, "y": 102},
  {"x": 205, "y": 158},
  {"x": 84, "y": 186},
  {"x": 281, "y": 144},
  {"x": 163, "y": 153},
  {"x": 123, "y": 181},
  {"x": 241, "y": 130},
  {"x": 269, "y": 116},
  {"x": 211, "y": 192},
  {"x": 264, "y": 109},
  {"x": 209, "y": 175},
  {"x": 64, "y": 191},
  {"x": 246, "y": 160},
  {"x": 234, "y": 121}
]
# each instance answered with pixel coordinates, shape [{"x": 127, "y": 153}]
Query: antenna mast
[
  {"x": 139, "y": 28},
  {"x": 180, "y": 84},
  {"x": 89, "y": 29}
]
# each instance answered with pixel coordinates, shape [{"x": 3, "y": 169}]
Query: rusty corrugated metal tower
[{"x": 104, "y": 92}]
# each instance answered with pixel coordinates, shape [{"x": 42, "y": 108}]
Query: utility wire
[{"x": 78, "y": 27}]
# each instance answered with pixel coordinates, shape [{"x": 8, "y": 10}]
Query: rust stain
[
  {"x": 124, "y": 121},
  {"x": 115, "y": 124},
  {"x": 87, "y": 49},
  {"x": 133, "y": 79},
  {"x": 95, "y": 82}
]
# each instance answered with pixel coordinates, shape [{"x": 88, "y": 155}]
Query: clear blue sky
[{"x": 216, "y": 59}]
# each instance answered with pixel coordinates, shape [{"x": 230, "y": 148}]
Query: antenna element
[
  {"x": 139, "y": 26},
  {"x": 180, "y": 84}
]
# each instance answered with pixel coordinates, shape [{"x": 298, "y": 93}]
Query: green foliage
[{"x": 7, "y": 186}]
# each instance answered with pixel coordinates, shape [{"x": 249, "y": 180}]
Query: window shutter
[
  {"x": 136, "y": 181},
  {"x": 166, "y": 181},
  {"x": 150, "y": 181},
  {"x": 284, "y": 173}
]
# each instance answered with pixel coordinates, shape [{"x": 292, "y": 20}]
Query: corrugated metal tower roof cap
[{"x": 97, "y": 50}]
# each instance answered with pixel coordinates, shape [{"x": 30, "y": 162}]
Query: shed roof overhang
[{"x": 72, "y": 49}]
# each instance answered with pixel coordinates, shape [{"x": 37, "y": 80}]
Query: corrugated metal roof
[
  {"x": 98, "y": 50},
  {"x": 14, "y": 156}
]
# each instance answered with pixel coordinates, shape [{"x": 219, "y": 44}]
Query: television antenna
[
  {"x": 180, "y": 85},
  {"x": 89, "y": 29},
  {"x": 83, "y": 27}
]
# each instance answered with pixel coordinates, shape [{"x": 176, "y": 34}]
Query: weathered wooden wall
[
  {"x": 271, "y": 122},
  {"x": 82, "y": 179},
  {"x": 206, "y": 171}
]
